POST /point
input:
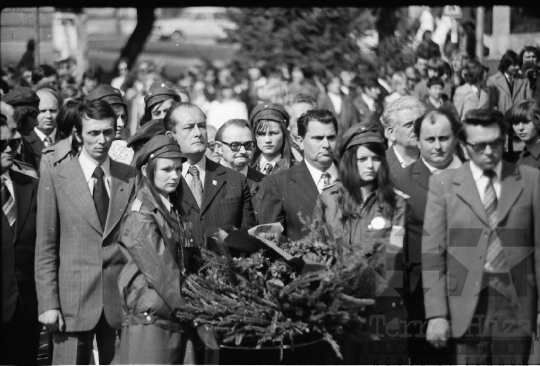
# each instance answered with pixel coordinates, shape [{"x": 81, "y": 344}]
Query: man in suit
[
  {"x": 235, "y": 147},
  {"x": 480, "y": 251},
  {"x": 42, "y": 135},
  {"x": 210, "y": 195},
  {"x": 78, "y": 261},
  {"x": 296, "y": 105},
  {"x": 293, "y": 192},
  {"x": 437, "y": 139},
  {"x": 366, "y": 99},
  {"x": 20, "y": 326},
  {"x": 397, "y": 120}
]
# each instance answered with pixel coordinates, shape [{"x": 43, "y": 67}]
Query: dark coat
[
  {"x": 254, "y": 179},
  {"x": 37, "y": 145},
  {"x": 346, "y": 118},
  {"x": 285, "y": 195},
  {"x": 18, "y": 250},
  {"x": 364, "y": 113},
  {"x": 27, "y": 154},
  {"x": 226, "y": 201},
  {"x": 394, "y": 166}
]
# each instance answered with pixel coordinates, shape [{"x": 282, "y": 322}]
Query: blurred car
[{"x": 195, "y": 22}]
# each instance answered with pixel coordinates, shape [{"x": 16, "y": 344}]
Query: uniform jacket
[
  {"x": 502, "y": 98},
  {"x": 278, "y": 167},
  {"x": 37, "y": 145},
  {"x": 78, "y": 262},
  {"x": 457, "y": 236},
  {"x": 284, "y": 196},
  {"x": 530, "y": 157},
  {"x": 150, "y": 283},
  {"x": 347, "y": 116},
  {"x": 55, "y": 155},
  {"x": 226, "y": 201},
  {"x": 254, "y": 179},
  {"x": 18, "y": 249},
  {"x": 466, "y": 99}
]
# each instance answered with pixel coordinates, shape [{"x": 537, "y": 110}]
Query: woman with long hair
[
  {"x": 524, "y": 121},
  {"x": 156, "y": 242},
  {"x": 273, "y": 145},
  {"x": 364, "y": 216}
]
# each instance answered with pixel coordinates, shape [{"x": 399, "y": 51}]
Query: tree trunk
[{"x": 137, "y": 40}]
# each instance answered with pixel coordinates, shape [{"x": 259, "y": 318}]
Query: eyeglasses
[
  {"x": 235, "y": 146},
  {"x": 481, "y": 146},
  {"x": 12, "y": 143}
]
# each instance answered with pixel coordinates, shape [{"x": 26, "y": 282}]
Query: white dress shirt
[
  {"x": 456, "y": 163},
  {"x": 201, "y": 165},
  {"x": 263, "y": 162},
  {"x": 88, "y": 167},
  {"x": 336, "y": 101},
  {"x": 482, "y": 181},
  {"x": 42, "y": 136},
  {"x": 316, "y": 174},
  {"x": 370, "y": 102},
  {"x": 9, "y": 184},
  {"x": 400, "y": 159}
]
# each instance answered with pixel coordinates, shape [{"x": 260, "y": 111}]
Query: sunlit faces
[
  {"x": 51, "y": 80},
  {"x": 295, "y": 111},
  {"x": 121, "y": 118},
  {"x": 90, "y": 84},
  {"x": 402, "y": 132},
  {"x": 270, "y": 140},
  {"x": 529, "y": 57},
  {"x": 48, "y": 110},
  {"x": 421, "y": 65},
  {"x": 96, "y": 137},
  {"x": 512, "y": 69},
  {"x": 490, "y": 156},
  {"x": 190, "y": 132},
  {"x": 8, "y": 153},
  {"x": 527, "y": 131},
  {"x": 236, "y": 160},
  {"x": 432, "y": 73},
  {"x": 457, "y": 63},
  {"x": 334, "y": 86},
  {"x": 435, "y": 92},
  {"x": 167, "y": 174},
  {"x": 437, "y": 142},
  {"x": 161, "y": 109},
  {"x": 319, "y": 144},
  {"x": 368, "y": 164}
]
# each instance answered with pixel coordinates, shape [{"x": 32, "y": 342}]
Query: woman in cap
[
  {"x": 364, "y": 216},
  {"x": 273, "y": 150},
  {"x": 158, "y": 101},
  {"x": 157, "y": 243},
  {"x": 524, "y": 119}
]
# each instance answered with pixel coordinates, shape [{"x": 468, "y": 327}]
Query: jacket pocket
[{"x": 70, "y": 293}]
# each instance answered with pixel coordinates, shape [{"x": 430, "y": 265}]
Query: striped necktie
[
  {"x": 495, "y": 260},
  {"x": 268, "y": 169},
  {"x": 48, "y": 141},
  {"x": 8, "y": 204},
  {"x": 196, "y": 185}
]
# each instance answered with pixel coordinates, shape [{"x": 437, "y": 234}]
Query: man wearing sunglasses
[
  {"x": 20, "y": 326},
  {"x": 480, "y": 250},
  {"x": 235, "y": 146}
]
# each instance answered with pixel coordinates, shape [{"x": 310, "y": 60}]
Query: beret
[
  {"x": 158, "y": 94},
  {"x": 161, "y": 146},
  {"x": 107, "y": 93},
  {"x": 360, "y": 134},
  {"x": 22, "y": 97},
  {"x": 270, "y": 111},
  {"x": 146, "y": 132}
]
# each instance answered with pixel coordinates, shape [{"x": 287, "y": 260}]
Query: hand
[
  {"x": 53, "y": 320},
  {"x": 438, "y": 332}
]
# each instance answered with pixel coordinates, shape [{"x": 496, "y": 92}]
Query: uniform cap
[
  {"x": 361, "y": 133},
  {"x": 22, "y": 97},
  {"x": 147, "y": 131},
  {"x": 271, "y": 111},
  {"x": 161, "y": 146},
  {"x": 107, "y": 93},
  {"x": 158, "y": 94}
]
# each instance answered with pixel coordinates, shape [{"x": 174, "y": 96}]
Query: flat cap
[
  {"x": 158, "y": 94},
  {"x": 146, "y": 132},
  {"x": 161, "y": 146},
  {"x": 107, "y": 93},
  {"x": 22, "y": 97},
  {"x": 360, "y": 134},
  {"x": 270, "y": 111}
]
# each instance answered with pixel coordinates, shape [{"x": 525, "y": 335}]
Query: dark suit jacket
[
  {"x": 348, "y": 116},
  {"x": 226, "y": 201},
  {"x": 37, "y": 145},
  {"x": 77, "y": 261},
  {"x": 27, "y": 155},
  {"x": 254, "y": 178},
  {"x": 18, "y": 249},
  {"x": 456, "y": 240},
  {"x": 364, "y": 113},
  {"x": 284, "y": 196},
  {"x": 394, "y": 166}
]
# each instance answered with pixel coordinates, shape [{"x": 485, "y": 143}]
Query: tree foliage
[{"x": 320, "y": 38}]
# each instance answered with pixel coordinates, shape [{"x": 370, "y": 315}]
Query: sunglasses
[
  {"x": 235, "y": 146},
  {"x": 481, "y": 146},
  {"x": 12, "y": 143}
]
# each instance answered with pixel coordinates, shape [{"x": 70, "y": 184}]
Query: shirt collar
[
  {"x": 456, "y": 163},
  {"x": 263, "y": 161},
  {"x": 42, "y": 136},
  {"x": 316, "y": 173},
  {"x": 88, "y": 166},
  {"x": 478, "y": 173},
  {"x": 7, "y": 176},
  {"x": 201, "y": 165},
  {"x": 398, "y": 156},
  {"x": 535, "y": 151}
]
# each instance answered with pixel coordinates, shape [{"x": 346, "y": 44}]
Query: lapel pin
[{"x": 214, "y": 182}]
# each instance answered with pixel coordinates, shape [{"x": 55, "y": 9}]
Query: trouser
[
  {"x": 20, "y": 338},
  {"x": 495, "y": 336},
  {"x": 75, "y": 348}
]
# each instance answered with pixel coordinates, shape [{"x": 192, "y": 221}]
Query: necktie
[
  {"x": 495, "y": 260},
  {"x": 196, "y": 184},
  {"x": 101, "y": 198},
  {"x": 8, "y": 204},
  {"x": 325, "y": 181},
  {"x": 48, "y": 141},
  {"x": 268, "y": 169}
]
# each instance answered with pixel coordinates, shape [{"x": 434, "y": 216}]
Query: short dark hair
[
  {"x": 472, "y": 71},
  {"x": 170, "y": 122},
  {"x": 526, "y": 110},
  {"x": 92, "y": 73},
  {"x": 527, "y": 49},
  {"x": 508, "y": 59},
  {"x": 421, "y": 52},
  {"x": 455, "y": 125},
  {"x": 65, "y": 120},
  {"x": 435, "y": 81},
  {"x": 95, "y": 109},
  {"x": 482, "y": 117},
  {"x": 436, "y": 63},
  {"x": 21, "y": 115},
  {"x": 320, "y": 115},
  {"x": 43, "y": 71}
]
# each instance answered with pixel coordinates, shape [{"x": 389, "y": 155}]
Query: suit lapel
[
  {"x": 303, "y": 185},
  {"x": 503, "y": 84},
  {"x": 421, "y": 174},
  {"x": 120, "y": 192},
  {"x": 76, "y": 189},
  {"x": 23, "y": 197},
  {"x": 188, "y": 198},
  {"x": 214, "y": 180},
  {"x": 466, "y": 189},
  {"x": 5, "y": 224},
  {"x": 511, "y": 187},
  {"x": 519, "y": 82},
  {"x": 36, "y": 142}
]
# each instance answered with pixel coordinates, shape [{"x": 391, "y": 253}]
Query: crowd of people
[{"x": 108, "y": 190}]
